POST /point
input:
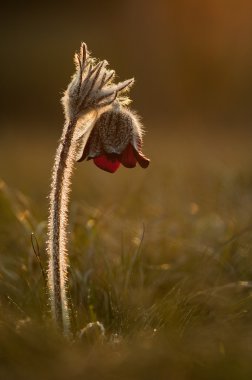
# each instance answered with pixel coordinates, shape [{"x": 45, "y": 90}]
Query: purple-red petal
[
  {"x": 105, "y": 163},
  {"x": 128, "y": 157},
  {"x": 131, "y": 156},
  {"x": 142, "y": 160}
]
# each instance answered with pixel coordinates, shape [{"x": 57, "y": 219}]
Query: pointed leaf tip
[
  {"x": 83, "y": 52},
  {"x": 125, "y": 85},
  {"x": 130, "y": 82}
]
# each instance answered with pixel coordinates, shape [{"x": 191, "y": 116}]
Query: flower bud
[{"x": 116, "y": 138}]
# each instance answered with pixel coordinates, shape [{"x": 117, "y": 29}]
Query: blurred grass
[{"x": 161, "y": 257}]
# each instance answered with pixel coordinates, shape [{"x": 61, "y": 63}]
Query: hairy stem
[{"x": 57, "y": 230}]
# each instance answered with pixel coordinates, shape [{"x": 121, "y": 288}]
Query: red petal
[
  {"x": 142, "y": 160},
  {"x": 104, "y": 163},
  {"x": 128, "y": 158}
]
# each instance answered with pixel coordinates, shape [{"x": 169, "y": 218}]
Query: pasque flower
[
  {"x": 97, "y": 126},
  {"x": 115, "y": 139}
]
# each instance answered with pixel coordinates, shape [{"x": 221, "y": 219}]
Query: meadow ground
[{"x": 161, "y": 257}]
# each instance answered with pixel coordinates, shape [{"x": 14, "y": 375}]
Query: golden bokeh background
[{"x": 192, "y": 61}]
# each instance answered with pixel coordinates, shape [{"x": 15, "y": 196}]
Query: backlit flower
[{"x": 115, "y": 139}]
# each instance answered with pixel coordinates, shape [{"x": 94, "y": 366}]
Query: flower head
[
  {"x": 106, "y": 131},
  {"x": 115, "y": 139}
]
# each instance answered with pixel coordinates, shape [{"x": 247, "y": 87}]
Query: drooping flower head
[
  {"x": 108, "y": 132},
  {"x": 116, "y": 138}
]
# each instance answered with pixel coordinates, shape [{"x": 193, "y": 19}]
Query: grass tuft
[{"x": 164, "y": 264}]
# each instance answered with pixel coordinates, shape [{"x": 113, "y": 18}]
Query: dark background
[{"x": 192, "y": 61}]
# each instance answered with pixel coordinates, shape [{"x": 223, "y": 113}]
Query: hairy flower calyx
[{"x": 115, "y": 139}]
